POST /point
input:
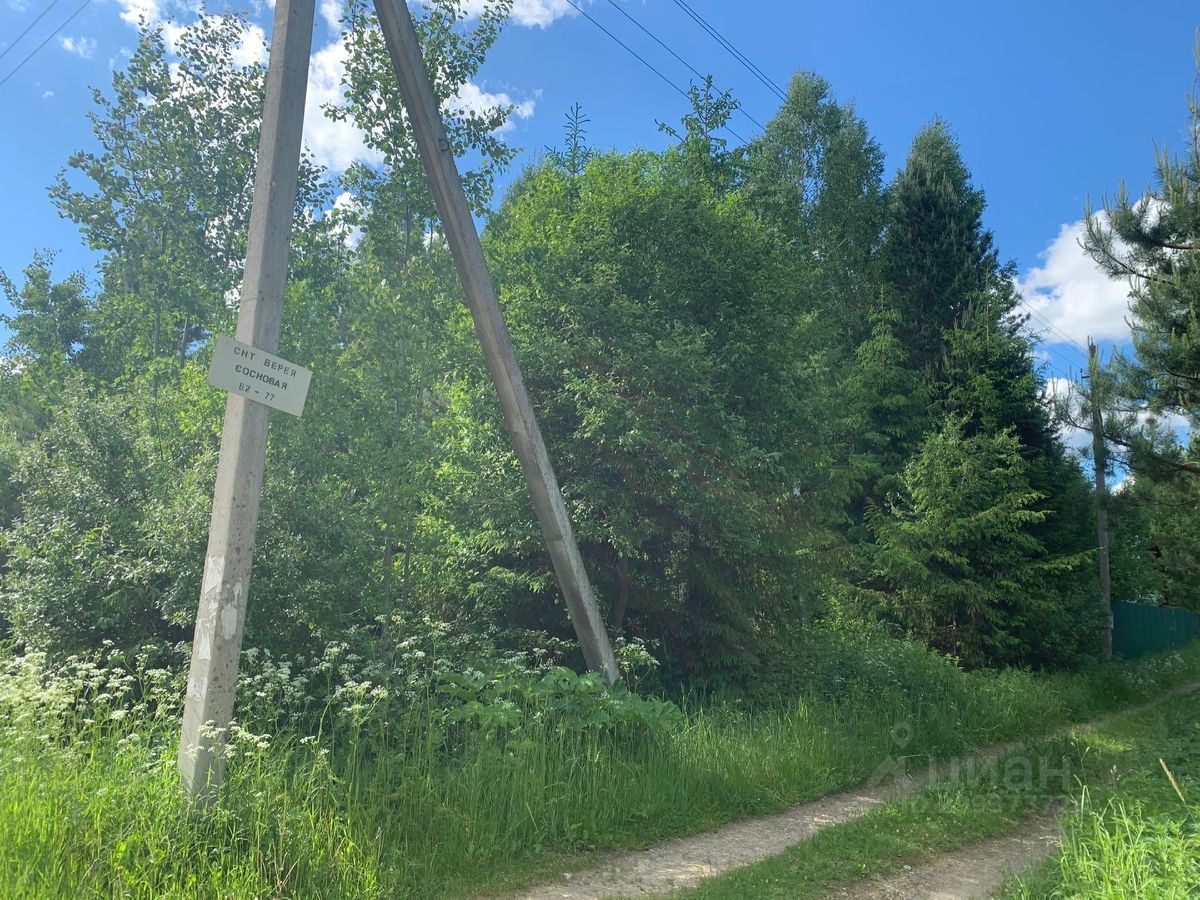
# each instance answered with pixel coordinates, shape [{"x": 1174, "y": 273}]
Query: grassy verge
[
  {"x": 1107, "y": 853},
  {"x": 1136, "y": 834},
  {"x": 406, "y": 805}
]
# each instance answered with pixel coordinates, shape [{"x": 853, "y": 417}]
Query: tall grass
[
  {"x": 1136, "y": 833},
  {"x": 417, "y": 797}
]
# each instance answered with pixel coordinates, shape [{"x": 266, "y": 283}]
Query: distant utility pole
[
  {"x": 212, "y": 680},
  {"x": 425, "y": 117},
  {"x": 1100, "y": 457}
]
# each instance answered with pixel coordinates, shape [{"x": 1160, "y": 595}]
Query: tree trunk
[{"x": 624, "y": 581}]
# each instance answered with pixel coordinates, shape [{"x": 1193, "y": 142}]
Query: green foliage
[
  {"x": 671, "y": 383},
  {"x": 816, "y": 176},
  {"x": 76, "y": 574},
  {"x": 50, "y": 321},
  {"x": 960, "y": 550},
  {"x": 1150, "y": 240},
  {"x": 401, "y": 209},
  {"x": 575, "y": 154},
  {"x": 508, "y": 702},
  {"x": 1153, "y": 241},
  {"x": 375, "y": 804},
  {"x": 166, "y": 197},
  {"x": 735, "y": 354},
  {"x": 1155, "y": 555},
  {"x": 938, "y": 261}
]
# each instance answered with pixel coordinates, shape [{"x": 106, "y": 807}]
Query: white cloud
[
  {"x": 471, "y": 97},
  {"x": 334, "y": 145},
  {"x": 173, "y": 33},
  {"x": 530, "y": 13},
  {"x": 346, "y": 212},
  {"x": 19, "y": 5},
  {"x": 1071, "y": 292},
  {"x": 540, "y": 13},
  {"x": 46, "y": 95},
  {"x": 84, "y": 47},
  {"x": 253, "y": 47},
  {"x": 331, "y": 12},
  {"x": 133, "y": 12}
]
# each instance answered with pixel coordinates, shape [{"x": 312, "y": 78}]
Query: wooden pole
[
  {"x": 1100, "y": 459},
  {"x": 212, "y": 680},
  {"x": 424, "y": 116}
]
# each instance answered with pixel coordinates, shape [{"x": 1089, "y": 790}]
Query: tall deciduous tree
[
  {"x": 678, "y": 380},
  {"x": 166, "y": 198},
  {"x": 817, "y": 176}
]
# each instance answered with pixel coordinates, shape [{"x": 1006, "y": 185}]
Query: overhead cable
[
  {"x": 734, "y": 51},
  {"x": 643, "y": 61},
  {"x": 619, "y": 8},
  {"x": 32, "y": 53},
  {"x": 17, "y": 39}
]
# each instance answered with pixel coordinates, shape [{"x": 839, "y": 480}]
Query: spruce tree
[{"x": 938, "y": 260}]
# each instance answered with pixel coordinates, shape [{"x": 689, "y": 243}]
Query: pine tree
[{"x": 1153, "y": 241}]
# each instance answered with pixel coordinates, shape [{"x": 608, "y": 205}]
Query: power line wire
[
  {"x": 666, "y": 47},
  {"x": 49, "y": 37},
  {"x": 17, "y": 39},
  {"x": 737, "y": 54},
  {"x": 1067, "y": 339},
  {"x": 639, "y": 58},
  {"x": 1052, "y": 347}
]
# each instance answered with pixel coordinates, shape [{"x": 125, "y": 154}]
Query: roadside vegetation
[
  {"x": 1135, "y": 833},
  {"x": 816, "y": 471},
  {"x": 450, "y": 781},
  {"x": 1127, "y": 833}
]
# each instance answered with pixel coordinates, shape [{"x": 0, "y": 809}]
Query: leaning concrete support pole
[
  {"x": 424, "y": 116},
  {"x": 212, "y": 680}
]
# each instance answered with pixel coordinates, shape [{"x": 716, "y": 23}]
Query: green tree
[
  {"x": 679, "y": 384},
  {"x": 166, "y": 198},
  {"x": 1153, "y": 241},
  {"x": 959, "y": 550},
  {"x": 816, "y": 175},
  {"x": 1156, "y": 537},
  {"x": 50, "y": 321},
  {"x": 938, "y": 260},
  {"x": 401, "y": 212}
]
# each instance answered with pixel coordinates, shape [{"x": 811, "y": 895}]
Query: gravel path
[
  {"x": 975, "y": 871},
  {"x": 685, "y": 862}
]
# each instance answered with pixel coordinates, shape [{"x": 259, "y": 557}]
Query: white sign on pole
[{"x": 259, "y": 376}]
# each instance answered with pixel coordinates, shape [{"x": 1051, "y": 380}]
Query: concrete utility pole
[
  {"x": 212, "y": 680},
  {"x": 424, "y": 116},
  {"x": 1101, "y": 460}
]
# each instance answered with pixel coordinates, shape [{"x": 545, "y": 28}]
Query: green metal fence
[{"x": 1139, "y": 629}]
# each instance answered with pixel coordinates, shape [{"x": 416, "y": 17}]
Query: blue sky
[{"x": 1053, "y": 102}]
